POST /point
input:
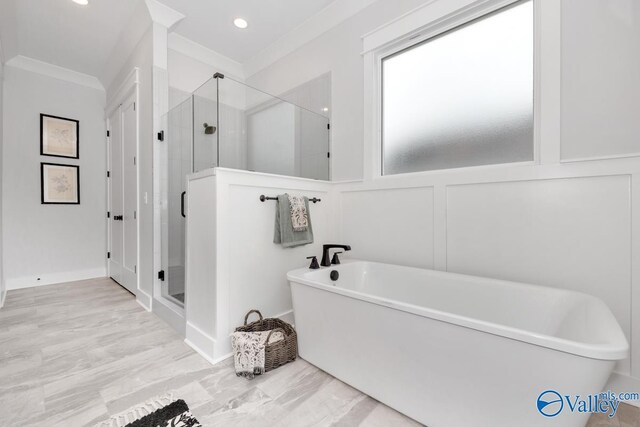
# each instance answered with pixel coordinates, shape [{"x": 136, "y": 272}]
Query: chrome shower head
[{"x": 209, "y": 130}]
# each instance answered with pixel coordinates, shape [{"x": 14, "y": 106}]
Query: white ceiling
[
  {"x": 63, "y": 33},
  {"x": 82, "y": 38},
  {"x": 210, "y": 22}
]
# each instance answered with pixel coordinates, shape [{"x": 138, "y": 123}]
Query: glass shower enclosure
[{"x": 226, "y": 123}]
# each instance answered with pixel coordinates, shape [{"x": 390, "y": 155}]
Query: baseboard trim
[
  {"x": 206, "y": 356},
  {"x": 3, "y": 296},
  {"x": 144, "y": 299},
  {"x": 170, "y": 316},
  {"x": 54, "y": 278},
  {"x": 201, "y": 342}
]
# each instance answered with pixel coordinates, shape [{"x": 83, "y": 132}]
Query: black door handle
[
  {"x": 182, "y": 204},
  {"x": 117, "y": 217}
]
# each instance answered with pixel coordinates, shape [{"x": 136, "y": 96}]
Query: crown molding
[
  {"x": 163, "y": 14},
  {"x": 54, "y": 71},
  {"x": 205, "y": 55},
  {"x": 318, "y": 24}
]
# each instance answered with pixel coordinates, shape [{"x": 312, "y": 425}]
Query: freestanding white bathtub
[{"x": 452, "y": 350}]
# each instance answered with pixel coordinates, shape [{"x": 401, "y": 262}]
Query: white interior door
[
  {"x": 115, "y": 178},
  {"x": 123, "y": 196},
  {"x": 130, "y": 195}
]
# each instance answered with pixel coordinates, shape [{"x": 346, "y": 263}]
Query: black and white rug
[
  {"x": 175, "y": 414},
  {"x": 162, "y": 411}
]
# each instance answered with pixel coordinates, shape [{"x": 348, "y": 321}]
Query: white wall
[
  {"x": 557, "y": 222},
  {"x": 47, "y": 243},
  {"x": 187, "y": 72},
  {"x": 599, "y": 68}
]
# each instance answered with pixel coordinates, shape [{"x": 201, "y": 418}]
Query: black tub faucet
[
  {"x": 314, "y": 263},
  {"x": 326, "y": 259}
]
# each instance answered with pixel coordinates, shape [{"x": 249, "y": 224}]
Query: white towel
[
  {"x": 299, "y": 216},
  {"x": 249, "y": 351}
]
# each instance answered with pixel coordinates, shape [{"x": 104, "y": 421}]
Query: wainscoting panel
[
  {"x": 390, "y": 225},
  {"x": 570, "y": 233}
]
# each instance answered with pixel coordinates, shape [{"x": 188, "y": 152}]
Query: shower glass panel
[
  {"x": 225, "y": 123},
  {"x": 258, "y": 132},
  {"x": 205, "y": 126},
  {"x": 176, "y": 162}
]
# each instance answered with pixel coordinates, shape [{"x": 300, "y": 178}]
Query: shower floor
[{"x": 176, "y": 283}]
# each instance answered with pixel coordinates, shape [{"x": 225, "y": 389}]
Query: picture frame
[
  {"x": 59, "y": 184},
  {"x": 59, "y": 136}
]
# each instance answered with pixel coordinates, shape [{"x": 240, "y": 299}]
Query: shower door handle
[{"x": 182, "y": 204}]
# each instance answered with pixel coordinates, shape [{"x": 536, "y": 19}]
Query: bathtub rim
[{"x": 617, "y": 349}]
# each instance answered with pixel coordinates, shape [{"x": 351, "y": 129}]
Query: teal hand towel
[{"x": 284, "y": 233}]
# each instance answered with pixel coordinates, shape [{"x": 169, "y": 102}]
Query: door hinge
[
  {"x": 328, "y": 125},
  {"x": 108, "y": 134},
  {"x": 161, "y": 275},
  {"x": 108, "y": 174},
  {"x": 108, "y": 214},
  {"x": 108, "y": 255},
  {"x": 134, "y": 106},
  {"x": 135, "y": 269},
  {"x": 328, "y": 155},
  {"x": 161, "y": 135},
  {"x": 134, "y": 161},
  {"x": 135, "y": 215}
]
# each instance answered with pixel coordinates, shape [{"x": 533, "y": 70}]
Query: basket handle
[
  {"x": 246, "y": 318},
  {"x": 272, "y": 331}
]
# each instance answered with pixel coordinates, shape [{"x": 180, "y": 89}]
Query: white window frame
[{"x": 410, "y": 30}]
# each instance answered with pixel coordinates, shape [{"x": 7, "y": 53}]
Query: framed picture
[
  {"x": 59, "y": 137},
  {"x": 59, "y": 184}
]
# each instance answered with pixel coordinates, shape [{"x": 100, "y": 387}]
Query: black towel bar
[{"x": 264, "y": 198}]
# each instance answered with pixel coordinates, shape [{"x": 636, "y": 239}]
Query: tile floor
[{"x": 77, "y": 353}]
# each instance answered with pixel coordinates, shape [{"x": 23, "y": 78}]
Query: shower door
[
  {"x": 190, "y": 145},
  {"x": 176, "y": 163}
]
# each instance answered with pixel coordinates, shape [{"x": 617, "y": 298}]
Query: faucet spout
[{"x": 326, "y": 259}]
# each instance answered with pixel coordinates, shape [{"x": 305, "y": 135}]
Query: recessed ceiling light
[
  {"x": 238, "y": 22},
  {"x": 325, "y": 109},
  {"x": 82, "y": 2}
]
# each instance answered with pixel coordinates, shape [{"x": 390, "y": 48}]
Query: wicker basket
[{"x": 278, "y": 353}]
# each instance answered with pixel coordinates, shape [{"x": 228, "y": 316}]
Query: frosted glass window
[{"x": 464, "y": 98}]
